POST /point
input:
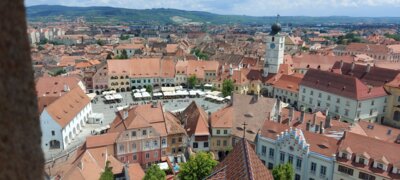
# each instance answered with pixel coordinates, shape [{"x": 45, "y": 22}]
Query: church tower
[{"x": 274, "y": 50}]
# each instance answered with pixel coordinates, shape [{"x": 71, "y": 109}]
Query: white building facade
[{"x": 291, "y": 147}]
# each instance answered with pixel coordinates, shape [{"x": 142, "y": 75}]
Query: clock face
[{"x": 272, "y": 46}]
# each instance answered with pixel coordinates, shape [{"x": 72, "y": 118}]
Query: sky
[{"x": 359, "y": 8}]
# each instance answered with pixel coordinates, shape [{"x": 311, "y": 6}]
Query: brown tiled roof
[
  {"x": 142, "y": 67},
  {"x": 250, "y": 109},
  {"x": 318, "y": 143},
  {"x": 222, "y": 118},
  {"x": 289, "y": 82},
  {"x": 375, "y": 77},
  {"x": 173, "y": 124},
  {"x": 241, "y": 163},
  {"x": 101, "y": 140},
  {"x": 69, "y": 60},
  {"x": 194, "y": 67},
  {"x": 65, "y": 108},
  {"x": 135, "y": 171},
  {"x": 346, "y": 86},
  {"x": 375, "y": 148},
  {"x": 141, "y": 116},
  {"x": 54, "y": 86},
  {"x": 377, "y": 131},
  {"x": 367, "y": 48},
  {"x": 323, "y": 61},
  {"x": 195, "y": 120}
]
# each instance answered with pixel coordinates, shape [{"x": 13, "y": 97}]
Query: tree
[
  {"x": 149, "y": 89},
  {"x": 199, "y": 166},
  {"x": 192, "y": 81},
  {"x": 107, "y": 174},
  {"x": 124, "y": 37},
  {"x": 227, "y": 87},
  {"x": 154, "y": 173},
  {"x": 283, "y": 172},
  {"x": 124, "y": 54}
]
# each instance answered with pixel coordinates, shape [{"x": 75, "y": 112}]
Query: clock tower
[{"x": 274, "y": 49}]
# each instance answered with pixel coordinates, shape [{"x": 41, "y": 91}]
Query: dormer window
[
  {"x": 344, "y": 155},
  {"x": 379, "y": 166},
  {"x": 361, "y": 160}
]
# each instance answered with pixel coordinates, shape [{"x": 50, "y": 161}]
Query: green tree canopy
[
  {"x": 227, "y": 87},
  {"x": 107, "y": 174},
  {"x": 199, "y": 166},
  {"x": 149, "y": 89},
  {"x": 154, "y": 173},
  {"x": 192, "y": 81},
  {"x": 283, "y": 172}
]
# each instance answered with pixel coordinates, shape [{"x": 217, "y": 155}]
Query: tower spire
[{"x": 277, "y": 18}]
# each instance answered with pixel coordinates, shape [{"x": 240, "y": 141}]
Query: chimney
[
  {"x": 124, "y": 113},
  {"x": 66, "y": 88},
  {"x": 302, "y": 116},
  {"x": 230, "y": 70},
  {"x": 291, "y": 113},
  {"x": 327, "y": 121},
  {"x": 316, "y": 128},
  {"x": 314, "y": 118},
  {"x": 321, "y": 129},
  {"x": 341, "y": 64},
  {"x": 353, "y": 64},
  {"x": 368, "y": 68},
  {"x": 278, "y": 107},
  {"x": 308, "y": 124},
  {"x": 279, "y": 119}
]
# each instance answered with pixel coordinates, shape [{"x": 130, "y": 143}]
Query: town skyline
[{"x": 386, "y": 8}]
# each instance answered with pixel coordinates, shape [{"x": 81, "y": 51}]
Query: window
[
  {"x": 313, "y": 167},
  {"x": 323, "y": 171},
  {"x": 218, "y": 131},
  {"x": 398, "y": 99},
  {"x": 270, "y": 166},
  {"x": 225, "y": 131},
  {"x": 195, "y": 145},
  {"x": 336, "y": 109},
  {"x": 173, "y": 150},
  {"x": 302, "y": 98},
  {"x": 345, "y": 170},
  {"x": 358, "y": 114},
  {"x": 271, "y": 153},
  {"x": 121, "y": 147},
  {"x": 263, "y": 150},
  {"x": 180, "y": 139},
  {"x": 338, "y": 100},
  {"x": 298, "y": 163},
  {"x": 156, "y": 154},
  {"x": 379, "y": 166},
  {"x": 328, "y": 98},
  {"x": 346, "y": 112},
  {"x": 311, "y": 92},
  {"x": 163, "y": 142},
  {"x": 53, "y": 133},
  {"x": 205, "y": 144},
  {"x": 173, "y": 141},
  {"x": 361, "y": 160},
  {"x": 304, "y": 91},
  {"x": 218, "y": 142},
  {"x": 347, "y": 103},
  {"x": 147, "y": 155},
  {"x": 297, "y": 177},
  {"x": 371, "y": 111},
  {"x": 328, "y": 105},
  {"x": 282, "y": 157},
  {"x": 310, "y": 101},
  {"x": 134, "y": 146},
  {"x": 372, "y": 102},
  {"x": 359, "y": 104},
  {"x": 290, "y": 160},
  {"x": 319, "y": 95},
  {"x": 134, "y": 157},
  {"x": 318, "y": 103},
  {"x": 155, "y": 142},
  {"x": 366, "y": 176},
  {"x": 225, "y": 142},
  {"x": 147, "y": 144},
  {"x": 133, "y": 133},
  {"x": 144, "y": 132}
]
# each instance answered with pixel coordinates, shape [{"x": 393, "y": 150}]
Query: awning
[
  {"x": 91, "y": 95},
  {"x": 117, "y": 96},
  {"x": 146, "y": 94},
  {"x": 168, "y": 89},
  {"x": 157, "y": 94},
  {"x": 228, "y": 97},
  {"x": 137, "y": 95},
  {"x": 208, "y": 85}
]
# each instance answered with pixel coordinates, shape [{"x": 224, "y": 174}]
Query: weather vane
[{"x": 277, "y": 18}]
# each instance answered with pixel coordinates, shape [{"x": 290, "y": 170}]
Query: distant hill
[{"x": 45, "y": 13}]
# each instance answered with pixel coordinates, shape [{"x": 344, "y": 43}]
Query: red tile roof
[
  {"x": 54, "y": 86},
  {"x": 195, "y": 120},
  {"x": 375, "y": 77},
  {"x": 289, "y": 82},
  {"x": 342, "y": 85},
  {"x": 241, "y": 163}
]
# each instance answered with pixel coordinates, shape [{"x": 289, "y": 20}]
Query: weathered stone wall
[{"x": 20, "y": 154}]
